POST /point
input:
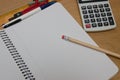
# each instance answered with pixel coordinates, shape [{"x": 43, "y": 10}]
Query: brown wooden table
[{"x": 107, "y": 39}]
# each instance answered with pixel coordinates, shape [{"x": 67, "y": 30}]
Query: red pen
[{"x": 35, "y": 5}]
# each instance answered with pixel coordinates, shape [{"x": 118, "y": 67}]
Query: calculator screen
[{"x": 87, "y": 1}]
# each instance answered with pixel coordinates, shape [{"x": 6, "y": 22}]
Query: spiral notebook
[{"x": 33, "y": 50}]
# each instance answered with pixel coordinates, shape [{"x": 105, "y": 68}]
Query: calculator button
[
  {"x": 90, "y": 11},
  {"x": 96, "y": 10},
  {"x": 100, "y": 24},
  {"x": 83, "y": 7},
  {"x": 89, "y": 7},
  {"x": 97, "y": 15},
  {"x": 87, "y": 21},
  {"x": 106, "y": 5},
  {"x": 104, "y": 19},
  {"x": 109, "y": 14},
  {"x": 102, "y": 10},
  {"x": 88, "y": 26},
  {"x": 107, "y": 9},
  {"x": 92, "y": 20},
  {"x": 94, "y": 6},
  {"x": 106, "y": 23},
  {"x": 100, "y": 5},
  {"x": 111, "y": 21},
  {"x": 84, "y": 12},
  {"x": 91, "y": 15},
  {"x": 94, "y": 25},
  {"x": 85, "y": 16},
  {"x": 98, "y": 19},
  {"x": 103, "y": 14}
]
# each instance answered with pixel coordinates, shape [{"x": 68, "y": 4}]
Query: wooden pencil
[{"x": 90, "y": 46}]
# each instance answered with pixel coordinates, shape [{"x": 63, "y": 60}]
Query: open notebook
[{"x": 33, "y": 50}]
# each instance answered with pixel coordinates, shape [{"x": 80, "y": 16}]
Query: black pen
[{"x": 14, "y": 21}]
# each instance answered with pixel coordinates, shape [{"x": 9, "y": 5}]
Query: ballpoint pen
[
  {"x": 33, "y": 6},
  {"x": 16, "y": 20}
]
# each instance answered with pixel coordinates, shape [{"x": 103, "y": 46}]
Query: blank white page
[{"x": 58, "y": 59}]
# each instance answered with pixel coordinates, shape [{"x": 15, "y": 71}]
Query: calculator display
[{"x": 87, "y": 1}]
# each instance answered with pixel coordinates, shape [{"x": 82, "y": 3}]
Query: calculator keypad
[{"x": 98, "y": 15}]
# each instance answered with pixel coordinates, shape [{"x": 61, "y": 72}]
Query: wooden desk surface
[{"x": 107, "y": 40}]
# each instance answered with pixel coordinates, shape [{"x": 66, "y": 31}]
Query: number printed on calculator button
[{"x": 87, "y": 21}]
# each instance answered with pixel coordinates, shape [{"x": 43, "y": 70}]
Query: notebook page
[{"x": 58, "y": 59}]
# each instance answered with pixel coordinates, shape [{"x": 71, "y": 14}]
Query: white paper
[{"x": 56, "y": 58}]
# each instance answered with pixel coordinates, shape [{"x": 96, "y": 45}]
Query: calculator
[{"x": 96, "y": 15}]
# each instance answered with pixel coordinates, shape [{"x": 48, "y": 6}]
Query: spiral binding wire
[{"x": 16, "y": 56}]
